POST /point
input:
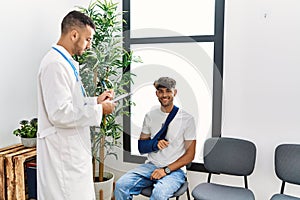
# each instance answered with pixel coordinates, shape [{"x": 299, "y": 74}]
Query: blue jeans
[{"x": 136, "y": 179}]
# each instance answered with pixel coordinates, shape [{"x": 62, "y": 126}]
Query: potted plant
[
  {"x": 103, "y": 67},
  {"x": 27, "y": 132}
]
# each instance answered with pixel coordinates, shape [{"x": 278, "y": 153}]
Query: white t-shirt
[{"x": 181, "y": 128}]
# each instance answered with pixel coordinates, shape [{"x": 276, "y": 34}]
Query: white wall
[
  {"x": 28, "y": 29},
  {"x": 261, "y": 81}
]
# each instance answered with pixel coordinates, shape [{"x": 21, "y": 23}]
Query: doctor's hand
[
  {"x": 109, "y": 94},
  {"x": 108, "y": 107}
]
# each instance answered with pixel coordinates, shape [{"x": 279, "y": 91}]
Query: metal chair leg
[{"x": 188, "y": 193}]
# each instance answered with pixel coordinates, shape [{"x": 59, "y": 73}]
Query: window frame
[{"x": 217, "y": 39}]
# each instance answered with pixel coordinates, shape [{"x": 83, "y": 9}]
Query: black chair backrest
[
  {"x": 287, "y": 163},
  {"x": 229, "y": 156}
]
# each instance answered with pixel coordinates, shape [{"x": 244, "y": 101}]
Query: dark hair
[{"x": 76, "y": 18}]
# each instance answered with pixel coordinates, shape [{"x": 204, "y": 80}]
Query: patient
[{"x": 165, "y": 166}]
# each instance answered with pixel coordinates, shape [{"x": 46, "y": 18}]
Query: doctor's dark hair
[{"x": 76, "y": 19}]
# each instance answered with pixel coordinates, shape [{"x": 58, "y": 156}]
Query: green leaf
[{"x": 107, "y": 61}]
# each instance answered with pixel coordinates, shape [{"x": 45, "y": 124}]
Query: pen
[{"x": 104, "y": 85}]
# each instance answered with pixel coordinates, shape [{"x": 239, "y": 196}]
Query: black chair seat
[
  {"x": 211, "y": 191},
  {"x": 283, "y": 197},
  {"x": 184, "y": 188}
]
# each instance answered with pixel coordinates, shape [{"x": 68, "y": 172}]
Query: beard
[
  {"x": 165, "y": 102},
  {"x": 77, "y": 48}
]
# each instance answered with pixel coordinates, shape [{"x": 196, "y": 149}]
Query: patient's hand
[
  {"x": 158, "y": 174},
  {"x": 162, "y": 144}
]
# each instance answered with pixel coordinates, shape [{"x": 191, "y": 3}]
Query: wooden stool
[
  {"x": 19, "y": 162},
  {"x": 3, "y": 152},
  {"x": 12, "y": 159}
]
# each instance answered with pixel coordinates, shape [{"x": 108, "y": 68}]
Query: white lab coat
[{"x": 64, "y": 161}]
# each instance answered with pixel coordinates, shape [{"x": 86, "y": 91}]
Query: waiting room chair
[
  {"x": 230, "y": 156},
  {"x": 287, "y": 168}
]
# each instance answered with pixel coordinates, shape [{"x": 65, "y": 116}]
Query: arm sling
[{"x": 147, "y": 146}]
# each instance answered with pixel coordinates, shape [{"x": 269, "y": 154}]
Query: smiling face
[{"x": 166, "y": 96}]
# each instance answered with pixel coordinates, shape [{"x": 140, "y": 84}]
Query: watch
[{"x": 167, "y": 170}]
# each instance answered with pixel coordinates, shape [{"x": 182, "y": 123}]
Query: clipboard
[{"x": 122, "y": 97}]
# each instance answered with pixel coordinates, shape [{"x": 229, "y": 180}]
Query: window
[
  {"x": 174, "y": 15},
  {"x": 183, "y": 40}
]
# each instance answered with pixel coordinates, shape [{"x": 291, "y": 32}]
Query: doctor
[{"x": 64, "y": 161}]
